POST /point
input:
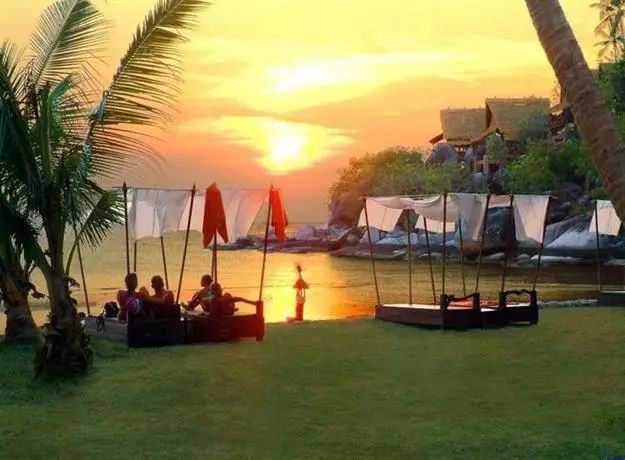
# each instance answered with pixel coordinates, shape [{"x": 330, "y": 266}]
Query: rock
[
  {"x": 570, "y": 192},
  {"x": 443, "y": 153},
  {"x": 305, "y": 232}
]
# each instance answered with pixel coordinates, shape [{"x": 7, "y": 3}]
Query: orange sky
[{"x": 284, "y": 91}]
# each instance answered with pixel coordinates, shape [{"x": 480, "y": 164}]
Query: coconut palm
[
  {"x": 54, "y": 148},
  {"x": 596, "y": 126},
  {"x": 610, "y": 30}
]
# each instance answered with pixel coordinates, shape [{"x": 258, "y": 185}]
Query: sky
[{"x": 284, "y": 92}]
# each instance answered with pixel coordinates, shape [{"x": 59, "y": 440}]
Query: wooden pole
[
  {"x": 125, "y": 190},
  {"x": 186, "y": 244},
  {"x": 83, "y": 277},
  {"x": 375, "y": 276},
  {"x": 511, "y": 228},
  {"x": 598, "y": 246},
  {"x": 134, "y": 257},
  {"x": 266, "y": 242},
  {"x": 164, "y": 263},
  {"x": 462, "y": 272},
  {"x": 444, "y": 252},
  {"x": 409, "y": 230},
  {"x": 215, "y": 257},
  {"x": 542, "y": 245},
  {"x": 479, "y": 260},
  {"x": 427, "y": 245}
]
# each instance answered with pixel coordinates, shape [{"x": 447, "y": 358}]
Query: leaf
[
  {"x": 143, "y": 91},
  {"x": 68, "y": 35}
]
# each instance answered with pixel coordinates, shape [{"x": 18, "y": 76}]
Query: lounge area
[{"x": 167, "y": 325}]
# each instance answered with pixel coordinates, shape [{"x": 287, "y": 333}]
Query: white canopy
[
  {"x": 153, "y": 212},
  {"x": 529, "y": 210},
  {"x": 609, "y": 223}
]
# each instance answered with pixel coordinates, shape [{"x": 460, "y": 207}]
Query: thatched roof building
[
  {"x": 460, "y": 126},
  {"x": 509, "y": 114}
]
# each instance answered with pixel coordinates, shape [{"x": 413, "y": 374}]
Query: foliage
[
  {"x": 612, "y": 84},
  {"x": 547, "y": 166},
  {"x": 496, "y": 148},
  {"x": 536, "y": 127},
  {"x": 610, "y": 30},
  {"x": 395, "y": 171}
]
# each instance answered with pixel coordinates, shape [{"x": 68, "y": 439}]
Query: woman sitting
[
  {"x": 203, "y": 296},
  {"x": 129, "y": 300},
  {"x": 223, "y": 304}
]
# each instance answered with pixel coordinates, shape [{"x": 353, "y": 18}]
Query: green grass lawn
[{"x": 353, "y": 389}]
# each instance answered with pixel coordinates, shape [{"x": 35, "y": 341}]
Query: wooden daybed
[{"x": 164, "y": 325}]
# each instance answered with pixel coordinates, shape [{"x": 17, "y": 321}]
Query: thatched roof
[
  {"x": 460, "y": 126},
  {"x": 509, "y": 115}
]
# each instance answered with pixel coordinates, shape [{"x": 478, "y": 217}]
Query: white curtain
[
  {"x": 609, "y": 223},
  {"x": 155, "y": 211},
  {"x": 529, "y": 216},
  {"x": 383, "y": 213}
]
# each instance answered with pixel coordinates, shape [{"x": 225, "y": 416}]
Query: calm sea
[{"x": 339, "y": 287}]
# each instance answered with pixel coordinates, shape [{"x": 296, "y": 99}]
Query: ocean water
[{"x": 339, "y": 287}]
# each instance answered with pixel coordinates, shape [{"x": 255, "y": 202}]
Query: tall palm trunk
[
  {"x": 20, "y": 325},
  {"x": 65, "y": 350},
  {"x": 596, "y": 126}
]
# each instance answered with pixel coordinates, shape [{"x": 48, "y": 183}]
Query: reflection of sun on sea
[{"x": 285, "y": 146}]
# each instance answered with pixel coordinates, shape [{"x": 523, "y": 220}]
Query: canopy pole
[
  {"x": 427, "y": 245},
  {"x": 215, "y": 257},
  {"x": 186, "y": 244},
  {"x": 375, "y": 276},
  {"x": 444, "y": 252},
  {"x": 542, "y": 245},
  {"x": 409, "y": 230},
  {"x": 82, "y": 268},
  {"x": 262, "y": 271},
  {"x": 164, "y": 262},
  {"x": 598, "y": 246},
  {"x": 479, "y": 260},
  {"x": 134, "y": 257},
  {"x": 462, "y": 272},
  {"x": 125, "y": 190},
  {"x": 511, "y": 228}
]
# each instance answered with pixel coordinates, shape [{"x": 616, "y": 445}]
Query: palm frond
[
  {"x": 144, "y": 89},
  {"x": 10, "y": 57},
  {"x": 97, "y": 213},
  {"x": 68, "y": 35}
]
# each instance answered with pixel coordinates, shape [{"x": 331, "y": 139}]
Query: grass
[{"x": 353, "y": 389}]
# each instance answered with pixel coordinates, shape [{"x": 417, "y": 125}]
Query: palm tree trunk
[
  {"x": 596, "y": 126},
  {"x": 20, "y": 325},
  {"x": 65, "y": 350}
]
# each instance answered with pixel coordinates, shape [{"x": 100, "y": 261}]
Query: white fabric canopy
[
  {"x": 153, "y": 212},
  {"x": 529, "y": 216},
  {"x": 383, "y": 213},
  {"x": 609, "y": 223},
  {"x": 435, "y": 226}
]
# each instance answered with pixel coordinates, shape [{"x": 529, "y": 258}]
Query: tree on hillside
[
  {"x": 55, "y": 146},
  {"x": 597, "y": 128},
  {"x": 610, "y": 30}
]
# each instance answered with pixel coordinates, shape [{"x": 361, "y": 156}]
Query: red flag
[
  {"x": 214, "y": 216},
  {"x": 278, "y": 214}
]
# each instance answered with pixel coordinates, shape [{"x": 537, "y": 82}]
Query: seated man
[
  {"x": 129, "y": 300},
  {"x": 222, "y": 304},
  {"x": 161, "y": 295},
  {"x": 201, "y": 297}
]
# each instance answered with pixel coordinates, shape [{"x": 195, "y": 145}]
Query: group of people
[{"x": 210, "y": 297}]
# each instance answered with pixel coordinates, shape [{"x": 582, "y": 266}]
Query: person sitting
[
  {"x": 161, "y": 295},
  {"x": 223, "y": 304},
  {"x": 201, "y": 297},
  {"x": 129, "y": 300}
]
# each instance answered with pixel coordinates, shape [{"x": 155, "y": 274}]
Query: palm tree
[
  {"x": 54, "y": 148},
  {"x": 610, "y": 29},
  {"x": 596, "y": 126}
]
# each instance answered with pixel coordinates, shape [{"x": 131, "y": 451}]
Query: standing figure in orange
[{"x": 300, "y": 287}]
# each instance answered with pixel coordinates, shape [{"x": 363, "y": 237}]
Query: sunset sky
[{"x": 285, "y": 91}]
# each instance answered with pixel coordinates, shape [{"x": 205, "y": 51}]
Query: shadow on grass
[{"x": 17, "y": 374}]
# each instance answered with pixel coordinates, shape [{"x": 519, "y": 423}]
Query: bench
[{"x": 156, "y": 325}]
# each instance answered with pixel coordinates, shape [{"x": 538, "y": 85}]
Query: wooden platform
[
  {"x": 174, "y": 329},
  {"x": 457, "y": 317},
  {"x": 612, "y": 299}
]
